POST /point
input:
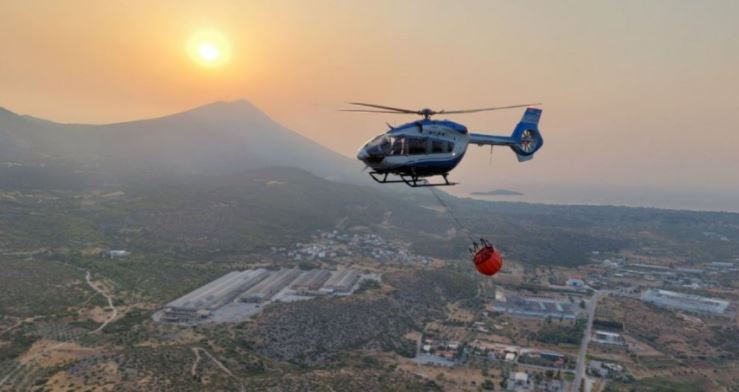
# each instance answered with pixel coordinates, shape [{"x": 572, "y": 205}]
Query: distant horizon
[
  {"x": 616, "y": 195},
  {"x": 728, "y": 203}
]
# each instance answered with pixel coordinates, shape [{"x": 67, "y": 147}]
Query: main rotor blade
[
  {"x": 372, "y": 111},
  {"x": 384, "y": 107},
  {"x": 486, "y": 109}
]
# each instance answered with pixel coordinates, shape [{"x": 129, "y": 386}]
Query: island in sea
[{"x": 498, "y": 192}]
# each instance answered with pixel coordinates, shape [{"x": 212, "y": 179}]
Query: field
[{"x": 57, "y": 332}]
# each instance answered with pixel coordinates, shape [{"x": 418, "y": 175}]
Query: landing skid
[{"x": 411, "y": 181}]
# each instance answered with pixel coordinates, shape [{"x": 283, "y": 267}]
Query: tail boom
[{"x": 524, "y": 141}]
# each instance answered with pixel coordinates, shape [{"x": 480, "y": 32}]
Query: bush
[{"x": 557, "y": 334}]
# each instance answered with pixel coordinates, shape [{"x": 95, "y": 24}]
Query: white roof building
[{"x": 686, "y": 302}]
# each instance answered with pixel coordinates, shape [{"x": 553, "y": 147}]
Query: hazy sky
[{"x": 636, "y": 93}]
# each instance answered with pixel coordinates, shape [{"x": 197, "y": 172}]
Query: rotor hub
[{"x": 426, "y": 112}]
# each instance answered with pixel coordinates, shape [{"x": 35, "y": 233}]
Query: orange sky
[{"x": 635, "y": 93}]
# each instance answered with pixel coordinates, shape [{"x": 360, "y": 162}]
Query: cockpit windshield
[
  {"x": 379, "y": 141},
  {"x": 388, "y": 145}
]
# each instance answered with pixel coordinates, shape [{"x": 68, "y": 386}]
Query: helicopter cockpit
[{"x": 390, "y": 145}]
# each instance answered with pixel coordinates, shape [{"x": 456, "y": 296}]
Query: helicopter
[{"x": 412, "y": 152}]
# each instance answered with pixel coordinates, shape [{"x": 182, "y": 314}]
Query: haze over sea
[{"x": 695, "y": 199}]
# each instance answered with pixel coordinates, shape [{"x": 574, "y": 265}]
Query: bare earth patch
[{"x": 50, "y": 353}]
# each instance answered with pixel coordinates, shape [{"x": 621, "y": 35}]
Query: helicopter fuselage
[{"x": 421, "y": 148}]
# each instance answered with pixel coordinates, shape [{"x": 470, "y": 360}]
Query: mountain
[{"x": 218, "y": 138}]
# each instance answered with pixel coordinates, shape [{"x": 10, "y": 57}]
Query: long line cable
[{"x": 462, "y": 227}]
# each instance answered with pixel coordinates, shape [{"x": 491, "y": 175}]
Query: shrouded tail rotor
[{"x": 527, "y": 137}]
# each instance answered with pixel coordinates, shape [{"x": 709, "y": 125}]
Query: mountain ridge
[{"x": 214, "y": 138}]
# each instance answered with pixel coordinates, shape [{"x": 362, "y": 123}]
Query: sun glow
[{"x": 209, "y": 48}]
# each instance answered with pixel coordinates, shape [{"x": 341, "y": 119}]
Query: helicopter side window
[
  {"x": 449, "y": 146},
  {"x": 399, "y": 146},
  {"x": 417, "y": 146},
  {"x": 438, "y": 146}
]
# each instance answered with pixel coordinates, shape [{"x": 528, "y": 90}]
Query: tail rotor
[{"x": 527, "y": 137}]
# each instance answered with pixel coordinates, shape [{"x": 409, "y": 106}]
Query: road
[
  {"x": 110, "y": 304},
  {"x": 216, "y": 362},
  {"x": 581, "y": 360},
  {"x": 194, "y": 367},
  {"x": 54, "y": 347}
]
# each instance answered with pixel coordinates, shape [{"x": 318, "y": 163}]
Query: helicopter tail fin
[{"x": 525, "y": 139}]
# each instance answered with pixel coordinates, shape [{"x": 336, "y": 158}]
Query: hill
[{"x": 215, "y": 139}]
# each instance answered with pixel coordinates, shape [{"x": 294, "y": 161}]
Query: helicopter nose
[{"x": 370, "y": 156}]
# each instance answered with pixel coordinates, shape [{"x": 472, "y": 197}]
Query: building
[
  {"x": 536, "y": 307},
  {"x": 341, "y": 281},
  {"x": 518, "y": 380},
  {"x": 311, "y": 281},
  {"x": 575, "y": 282},
  {"x": 199, "y": 303},
  {"x": 268, "y": 287},
  {"x": 113, "y": 253},
  {"x": 686, "y": 302},
  {"x": 550, "y": 356},
  {"x": 604, "y": 369},
  {"x": 238, "y": 295},
  {"x": 686, "y": 270},
  {"x": 606, "y": 337}
]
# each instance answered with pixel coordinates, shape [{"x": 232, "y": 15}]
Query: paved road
[{"x": 581, "y": 365}]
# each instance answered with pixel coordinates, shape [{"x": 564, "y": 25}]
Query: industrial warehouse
[
  {"x": 238, "y": 295},
  {"x": 535, "y": 306},
  {"x": 689, "y": 303}
]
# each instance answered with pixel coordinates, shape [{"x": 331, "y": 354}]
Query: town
[
  {"x": 342, "y": 246},
  {"x": 564, "y": 330}
]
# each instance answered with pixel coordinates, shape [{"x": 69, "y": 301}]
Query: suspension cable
[{"x": 462, "y": 227}]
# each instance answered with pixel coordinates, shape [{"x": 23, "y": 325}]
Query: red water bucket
[{"x": 488, "y": 261}]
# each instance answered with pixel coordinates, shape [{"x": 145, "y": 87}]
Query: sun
[
  {"x": 209, "y": 48},
  {"x": 209, "y": 52}
]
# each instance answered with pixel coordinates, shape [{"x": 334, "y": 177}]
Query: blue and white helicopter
[{"x": 426, "y": 148}]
